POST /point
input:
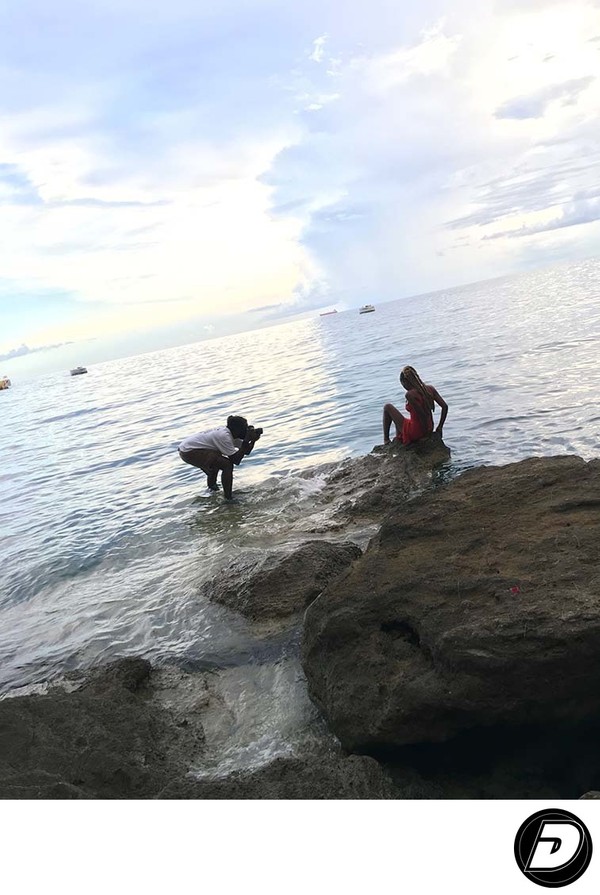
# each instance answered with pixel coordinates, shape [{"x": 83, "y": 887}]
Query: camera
[{"x": 256, "y": 433}]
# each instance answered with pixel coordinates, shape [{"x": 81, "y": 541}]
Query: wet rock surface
[
  {"x": 282, "y": 584},
  {"x": 314, "y": 776},
  {"x": 476, "y": 606},
  {"x": 112, "y": 739}
]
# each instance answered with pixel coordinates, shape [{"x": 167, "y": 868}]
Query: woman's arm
[{"x": 439, "y": 400}]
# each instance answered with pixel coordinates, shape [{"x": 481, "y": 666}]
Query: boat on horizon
[
  {"x": 366, "y": 309},
  {"x": 327, "y": 313},
  {"x": 77, "y": 371}
]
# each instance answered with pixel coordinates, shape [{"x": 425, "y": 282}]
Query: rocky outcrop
[
  {"x": 368, "y": 487},
  {"x": 461, "y": 649},
  {"x": 281, "y": 584},
  {"x": 105, "y": 740},
  {"x": 112, "y": 739},
  {"x": 476, "y": 606}
]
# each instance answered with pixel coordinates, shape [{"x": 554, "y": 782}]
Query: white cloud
[
  {"x": 535, "y": 104},
  {"x": 414, "y": 141},
  {"x": 205, "y": 161},
  {"x": 431, "y": 55},
  {"x": 192, "y": 225},
  {"x": 582, "y": 210},
  {"x": 318, "y": 51}
]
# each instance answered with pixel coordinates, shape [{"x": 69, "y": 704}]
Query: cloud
[
  {"x": 582, "y": 210},
  {"x": 413, "y": 138},
  {"x": 24, "y": 350},
  {"x": 195, "y": 161},
  {"x": 535, "y": 105},
  {"x": 318, "y": 51},
  {"x": 16, "y": 188},
  {"x": 530, "y": 188}
]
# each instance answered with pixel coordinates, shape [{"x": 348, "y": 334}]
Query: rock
[
  {"x": 104, "y": 740},
  {"x": 113, "y": 739},
  {"x": 316, "y": 776},
  {"x": 281, "y": 585},
  {"x": 477, "y": 605},
  {"x": 128, "y": 674},
  {"x": 381, "y": 481}
]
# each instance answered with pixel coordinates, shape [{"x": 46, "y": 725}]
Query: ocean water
[{"x": 108, "y": 536}]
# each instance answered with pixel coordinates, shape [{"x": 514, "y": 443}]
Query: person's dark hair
[
  {"x": 238, "y": 426},
  {"x": 409, "y": 378}
]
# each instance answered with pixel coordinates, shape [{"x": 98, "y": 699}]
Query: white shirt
[{"x": 219, "y": 439}]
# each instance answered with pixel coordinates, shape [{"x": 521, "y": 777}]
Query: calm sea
[{"x": 107, "y": 536}]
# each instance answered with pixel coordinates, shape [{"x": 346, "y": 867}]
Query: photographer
[{"x": 219, "y": 449}]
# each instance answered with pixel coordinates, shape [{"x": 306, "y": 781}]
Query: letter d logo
[{"x": 553, "y": 848}]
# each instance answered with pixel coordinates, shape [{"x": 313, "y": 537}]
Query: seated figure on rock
[{"x": 420, "y": 404}]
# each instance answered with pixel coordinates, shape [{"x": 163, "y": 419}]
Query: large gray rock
[
  {"x": 477, "y": 605},
  {"x": 281, "y": 584},
  {"x": 105, "y": 740},
  {"x": 112, "y": 739}
]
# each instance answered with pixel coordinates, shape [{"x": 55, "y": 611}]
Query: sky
[{"x": 175, "y": 170}]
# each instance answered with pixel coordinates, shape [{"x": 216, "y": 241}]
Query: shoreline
[{"x": 371, "y": 634}]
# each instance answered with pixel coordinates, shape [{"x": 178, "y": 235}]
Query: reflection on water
[{"x": 108, "y": 537}]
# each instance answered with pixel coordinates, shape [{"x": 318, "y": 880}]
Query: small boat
[
  {"x": 366, "y": 309},
  {"x": 5, "y": 383},
  {"x": 77, "y": 371},
  {"x": 327, "y": 313}
]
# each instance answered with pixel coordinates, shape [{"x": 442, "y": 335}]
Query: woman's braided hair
[{"x": 411, "y": 379}]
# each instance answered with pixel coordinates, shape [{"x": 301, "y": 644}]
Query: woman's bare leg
[{"x": 391, "y": 414}]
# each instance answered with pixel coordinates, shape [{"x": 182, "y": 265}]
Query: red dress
[{"x": 412, "y": 428}]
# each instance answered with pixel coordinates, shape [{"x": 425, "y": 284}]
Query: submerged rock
[
  {"x": 476, "y": 606},
  {"x": 281, "y": 584}
]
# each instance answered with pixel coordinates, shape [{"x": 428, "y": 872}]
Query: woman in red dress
[{"x": 420, "y": 403}]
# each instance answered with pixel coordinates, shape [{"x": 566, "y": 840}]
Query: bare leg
[
  {"x": 211, "y": 479},
  {"x": 225, "y": 465},
  {"x": 391, "y": 414},
  {"x": 227, "y": 479},
  {"x": 208, "y": 461}
]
